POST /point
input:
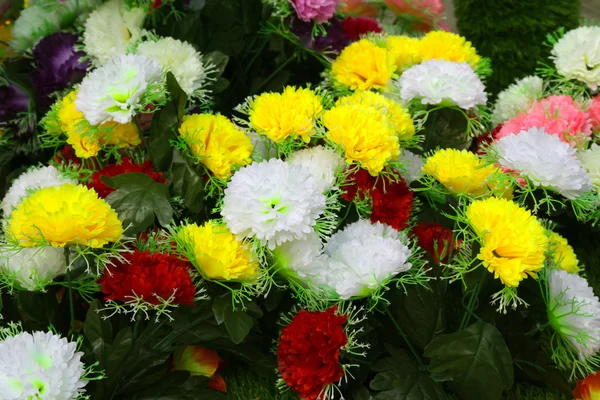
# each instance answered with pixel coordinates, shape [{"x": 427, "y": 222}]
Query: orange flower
[
  {"x": 198, "y": 360},
  {"x": 588, "y": 388}
]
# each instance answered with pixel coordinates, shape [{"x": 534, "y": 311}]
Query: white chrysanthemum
[
  {"x": 181, "y": 59},
  {"x": 517, "y": 98},
  {"x": 272, "y": 201},
  {"x": 29, "y": 181},
  {"x": 324, "y": 165},
  {"x": 440, "y": 81},
  {"x": 546, "y": 161},
  {"x": 112, "y": 29},
  {"x": 34, "y": 23},
  {"x": 577, "y": 55},
  {"x": 359, "y": 258},
  {"x": 115, "y": 91},
  {"x": 591, "y": 162},
  {"x": 412, "y": 164},
  {"x": 574, "y": 312},
  {"x": 32, "y": 268},
  {"x": 299, "y": 258},
  {"x": 41, "y": 365}
]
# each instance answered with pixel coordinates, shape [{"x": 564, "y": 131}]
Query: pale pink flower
[
  {"x": 594, "y": 113},
  {"x": 429, "y": 13},
  {"x": 317, "y": 10}
]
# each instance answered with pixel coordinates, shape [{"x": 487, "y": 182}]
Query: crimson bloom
[
  {"x": 151, "y": 277},
  {"x": 435, "y": 239},
  {"x": 588, "y": 388},
  {"x": 125, "y": 167},
  {"x": 308, "y": 352},
  {"x": 354, "y": 28}
]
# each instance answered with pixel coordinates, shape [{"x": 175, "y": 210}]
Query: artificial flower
[
  {"x": 323, "y": 164},
  {"x": 217, "y": 142},
  {"x": 442, "y": 82},
  {"x": 577, "y": 55},
  {"x": 32, "y": 268},
  {"x": 200, "y": 361},
  {"x": 356, "y": 27},
  {"x": 562, "y": 253},
  {"x": 412, "y": 165},
  {"x": 406, "y": 51},
  {"x": 436, "y": 240},
  {"x": 16, "y": 107},
  {"x": 125, "y": 167},
  {"x": 594, "y": 113},
  {"x": 358, "y": 8},
  {"x": 297, "y": 259},
  {"x": 448, "y": 46},
  {"x": 517, "y": 98},
  {"x": 332, "y": 41},
  {"x": 590, "y": 159},
  {"x": 64, "y": 215},
  {"x": 33, "y": 24},
  {"x": 272, "y": 201},
  {"x": 427, "y": 13},
  {"x": 588, "y": 388},
  {"x": 318, "y": 10}
]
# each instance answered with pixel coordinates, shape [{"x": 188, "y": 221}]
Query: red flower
[
  {"x": 392, "y": 200},
  {"x": 198, "y": 360},
  {"x": 588, "y": 388},
  {"x": 484, "y": 140},
  {"x": 434, "y": 239},
  {"x": 126, "y": 166},
  {"x": 309, "y": 350},
  {"x": 354, "y": 28},
  {"x": 148, "y": 275}
]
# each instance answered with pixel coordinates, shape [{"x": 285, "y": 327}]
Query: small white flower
[
  {"x": 324, "y": 165},
  {"x": 34, "y": 23},
  {"x": 300, "y": 257},
  {"x": 440, "y": 81},
  {"x": 574, "y": 312},
  {"x": 577, "y": 55},
  {"x": 272, "y": 201},
  {"x": 41, "y": 365},
  {"x": 412, "y": 164},
  {"x": 546, "y": 161},
  {"x": 115, "y": 91},
  {"x": 517, "y": 98},
  {"x": 29, "y": 181},
  {"x": 112, "y": 29},
  {"x": 32, "y": 268},
  {"x": 359, "y": 258},
  {"x": 591, "y": 162}
]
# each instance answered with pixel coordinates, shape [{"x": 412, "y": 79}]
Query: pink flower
[
  {"x": 359, "y": 8},
  {"x": 594, "y": 112},
  {"x": 427, "y": 12},
  {"x": 318, "y": 10},
  {"x": 558, "y": 115}
]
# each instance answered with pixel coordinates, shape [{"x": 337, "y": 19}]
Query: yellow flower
[
  {"x": 289, "y": 114},
  {"x": 364, "y": 136},
  {"x": 395, "y": 114},
  {"x": 121, "y": 135},
  {"x": 406, "y": 51},
  {"x": 513, "y": 242},
  {"x": 363, "y": 65},
  {"x": 463, "y": 172},
  {"x": 62, "y": 215},
  {"x": 563, "y": 254},
  {"x": 220, "y": 145},
  {"x": 217, "y": 253},
  {"x": 442, "y": 45}
]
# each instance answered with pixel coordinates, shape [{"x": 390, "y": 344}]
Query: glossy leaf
[{"x": 187, "y": 182}]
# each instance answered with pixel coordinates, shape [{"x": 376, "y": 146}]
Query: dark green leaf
[
  {"x": 219, "y": 307},
  {"x": 177, "y": 385},
  {"x": 238, "y": 324},
  {"x": 40, "y": 307},
  {"x": 178, "y": 96},
  {"x": 196, "y": 5},
  {"x": 273, "y": 299},
  {"x": 219, "y": 60},
  {"x": 361, "y": 393},
  {"x": 118, "y": 350},
  {"x": 187, "y": 182},
  {"x": 446, "y": 128},
  {"x": 98, "y": 332},
  {"x": 162, "y": 132}
]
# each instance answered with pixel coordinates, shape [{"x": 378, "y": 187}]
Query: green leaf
[
  {"x": 446, "y": 128},
  {"x": 178, "y": 96},
  {"x": 138, "y": 200},
  {"x": 219, "y": 60},
  {"x": 164, "y": 123},
  {"x": 118, "y": 351},
  {"x": 187, "y": 183},
  {"x": 475, "y": 361},
  {"x": 40, "y": 307},
  {"x": 98, "y": 332},
  {"x": 238, "y": 324},
  {"x": 219, "y": 306}
]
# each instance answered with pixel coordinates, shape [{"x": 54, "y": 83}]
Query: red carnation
[
  {"x": 481, "y": 142},
  {"x": 392, "y": 200},
  {"x": 434, "y": 239},
  {"x": 149, "y": 276},
  {"x": 354, "y": 28},
  {"x": 308, "y": 352},
  {"x": 126, "y": 166}
]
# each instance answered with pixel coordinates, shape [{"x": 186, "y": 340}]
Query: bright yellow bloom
[
  {"x": 397, "y": 115},
  {"x": 62, "y": 215},
  {"x": 363, "y": 135},
  {"x": 406, "y": 51},
  {"x": 442, "y": 45},
  {"x": 363, "y": 65},
  {"x": 563, "y": 254},
  {"x": 120, "y": 135},
  {"x": 289, "y": 114},
  {"x": 220, "y": 145},
  {"x": 463, "y": 172},
  {"x": 217, "y": 253},
  {"x": 513, "y": 242}
]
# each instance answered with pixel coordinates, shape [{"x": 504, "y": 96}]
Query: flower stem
[
  {"x": 472, "y": 302},
  {"x": 71, "y": 303},
  {"x": 401, "y": 332},
  {"x": 282, "y": 66},
  {"x": 537, "y": 329}
]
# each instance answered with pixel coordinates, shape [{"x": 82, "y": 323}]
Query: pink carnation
[
  {"x": 558, "y": 115},
  {"x": 318, "y": 10},
  {"x": 594, "y": 112},
  {"x": 428, "y": 13}
]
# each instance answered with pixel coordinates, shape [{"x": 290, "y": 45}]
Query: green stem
[
  {"x": 472, "y": 300},
  {"x": 138, "y": 320},
  {"x": 401, "y": 332},
  {"x": 70, "y": 288},
  {"x": 537, "y": 329}
]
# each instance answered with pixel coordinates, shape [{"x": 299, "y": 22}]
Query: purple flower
[
  {"x": 318, "y": 10},
  {"x": 58, "y": 65},
  {"x": 14, "y": 110},
  {"x": 334, "y": 38}
]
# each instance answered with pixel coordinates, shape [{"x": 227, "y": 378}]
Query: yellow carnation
[
  {"x": 220, "y": 145},
  {"x": 563, "y": 254},
  {"x": 442, "y": 45},
  {"x": 395, "y": 114},
  {"x": 363, "y": 135},
  {"x": 463, "y": 172},
  {"x": 406, "y": 51},
  {"x": 289, "y": 114},
  {"x": 513, "y": 242},
  {"x": 62, "y": 215},
  {"x": 120, "y": 135},
  {"x": 217, "y": 253},
  {"x": 363, "y": 65}
]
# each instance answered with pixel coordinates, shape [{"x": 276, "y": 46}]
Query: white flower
[
  {"x": 440, "y": 81},
  {"x": 517, "y": 98},
  {"x": 577, "y": 55},
  {"x": 29, "y": 181},
  {"x": 574, "y": 312},
  {"x": 324, "y": 165},
  {"x": 272, "y": 201},
  {"x": 32, "y": 268},
  {"x": 412, "y": 164},
  {"x": 358, "y": 259},
  {"x": 41, "y": 365},
  {"x": 112, "y": 29},
  {"x": 115, "y": 91},
  {"x": 591, "y": 162},
  {"x": 181, "y": 59},
  {"x": 300, "y": 257},
  {"x": 34, "y": 23},
  {"x": 546, "y": 161}
]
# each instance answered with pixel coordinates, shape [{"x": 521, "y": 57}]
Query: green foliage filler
[{"x": 511, "y": 32}]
